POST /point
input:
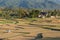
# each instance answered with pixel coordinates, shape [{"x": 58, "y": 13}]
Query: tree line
[{"x": 12, "y": 13}]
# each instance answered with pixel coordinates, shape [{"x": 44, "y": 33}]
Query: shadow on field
[
  {"x": 47, "y": 38},
  {"x": 51, "y": 29},
  {"x": 47, "y": 27}
]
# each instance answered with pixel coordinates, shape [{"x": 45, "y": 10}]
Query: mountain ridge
[{"x": 48, "y": 4}]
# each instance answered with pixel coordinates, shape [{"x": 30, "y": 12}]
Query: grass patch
[
  {"x": 22, "y": 32},
  {"x": 7, "y": 21}
]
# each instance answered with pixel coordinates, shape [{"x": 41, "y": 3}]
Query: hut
[{"x": 42, "y": 14}]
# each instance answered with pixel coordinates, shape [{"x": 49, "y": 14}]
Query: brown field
[{"x": 28, "y": 28}]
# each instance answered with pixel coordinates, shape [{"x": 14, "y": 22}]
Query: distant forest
[{"x": 12, "y": 13}]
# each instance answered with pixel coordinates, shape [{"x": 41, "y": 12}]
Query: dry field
[{"x": 27, "y": 29}]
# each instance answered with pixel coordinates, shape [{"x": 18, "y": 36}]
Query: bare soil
[{"x": 26, "y": 30}]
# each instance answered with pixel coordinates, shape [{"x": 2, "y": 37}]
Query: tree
[{"x": 34, "y": 13}]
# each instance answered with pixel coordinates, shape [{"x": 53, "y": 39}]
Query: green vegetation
[{"x": 17, "y": 13}]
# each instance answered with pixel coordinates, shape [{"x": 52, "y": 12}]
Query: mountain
[{"x": 49, "y": 4}]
